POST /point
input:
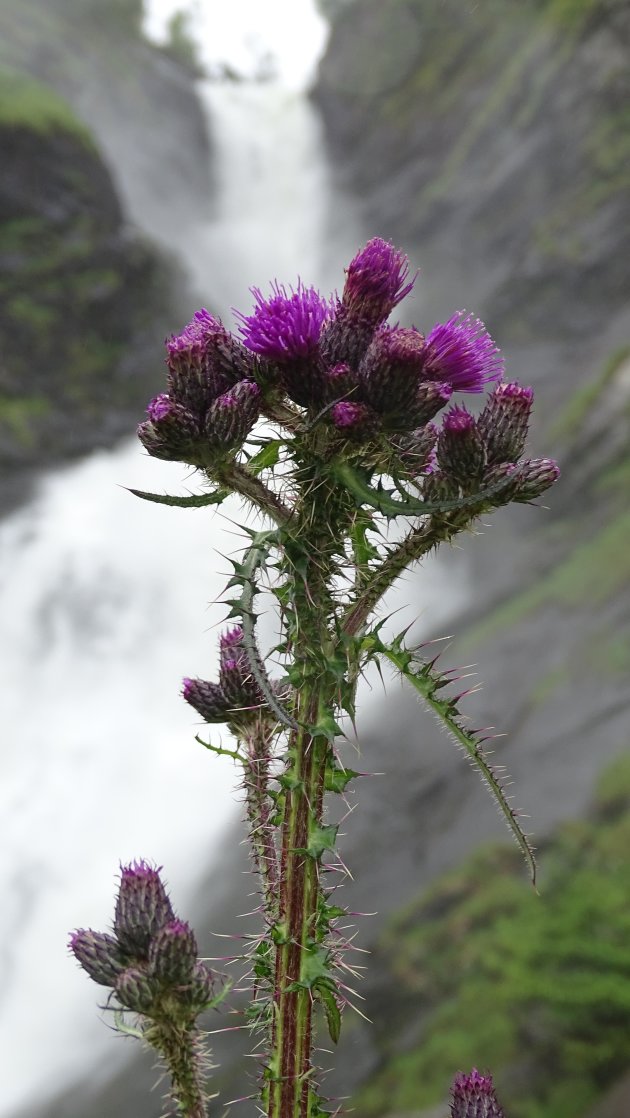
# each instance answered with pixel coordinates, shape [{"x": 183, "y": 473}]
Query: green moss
[
  {"x": 25, "y": 103},
  {"x": 20, "y": 417},
  {"x": 568, "y": 424},
  {"x": 537, "y": 988}
]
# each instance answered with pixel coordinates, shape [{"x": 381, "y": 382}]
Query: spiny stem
[
  {"x": 289, "y": 1067},
  {"x": 416, "y": 544},
  {"x": 259, "y": 813},
  {"x": 240, "y": 480},
  {"x": 181, "y": 1050}
]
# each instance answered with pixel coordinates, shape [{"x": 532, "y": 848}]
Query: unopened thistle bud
[
  {"x": 390, "y": 372},
  {"x": 417, "y": 450},
  {"x": 199, "y": 990},
  {"x": 136, "y": 990},
  {"x": 339, "y": 382},
  {"x": 460, "y": 450},
  {"x": 504, "y": 422},
  {"x": 535, "y": 475},
  {"x": 173, "y": 954},
  {"x": 462, "y": 353},
  {"x": 207, "y": 698},
  {"x": 171, "y": 431},
  {"x": 354, "y": 420},
  {"x": 232, "y": 415},
  {"x": 99, "y": 954},
  {"x": 142, "y": 907},
  {"x": 473, "y": 1096},
  {"x": 431, "y": 397}
]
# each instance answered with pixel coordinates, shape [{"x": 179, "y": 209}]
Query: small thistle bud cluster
[
  {"x": 212, "y": 401},
  {"x": 236, "y": 698},
  {"x": 473, "y": 1096},
  {"x": 150, "y": 962}
]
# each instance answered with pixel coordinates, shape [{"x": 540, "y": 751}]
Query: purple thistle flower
[
  {"x": 504, "y": 422},
  {"x": 286, "y": 326},
  {"x": 207, "y": 698},
  {"x": 462, "y": 353},
  {"x": 473, "y": 1096},
  {"x": 173, "y": 954},
  {"x": 232, "y": 415},
  {"x": 376, "y": 281},
  {"x": 202, "y": 326},
  {"x": 98, "y": 954},
  {"x": 142, "y": 907}
]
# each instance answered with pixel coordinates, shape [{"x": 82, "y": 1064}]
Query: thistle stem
[
  {"x": 290, "y": 1064},
  {"x": 416, "y": 544},
  {"x": 240, "y": 480},
  {"x": 182, "y": 1054}
]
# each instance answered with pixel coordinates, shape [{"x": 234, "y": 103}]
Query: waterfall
[{"x": 104, "y": 604}]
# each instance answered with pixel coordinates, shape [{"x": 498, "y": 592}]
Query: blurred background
[{"x": 158, "y": 157}]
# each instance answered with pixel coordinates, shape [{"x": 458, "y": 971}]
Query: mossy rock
[{"x": 535, "y": 987}]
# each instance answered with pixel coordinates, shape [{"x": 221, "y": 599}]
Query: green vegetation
[
  {"x": 482, "y": 971},
  {"x": 181, "y": 46},
  {"x": 19, "y": 417},
  {"x": 25, "y": 103}
]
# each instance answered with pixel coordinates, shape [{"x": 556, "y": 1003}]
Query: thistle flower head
[
  {"x": 390, "y": 372},
  {"x": 232, "y": 415},
  {"x": 461, "y": 453},
  {"x": 194, "y": 337},
  {"x": 287, "y": 325},
  {"x": 473, "y": 1096},
  {"x": 353, "y": 419},
  {"x": 173, "y": 953},
  {"x": 207, "y": 699},
  {"x": 99, "y": 954},
  {"x": 462, "y": 353},
  {"x": 504, "y": 421},
  {"x": 142, "y": 907},
  {"x": 376, "y": 281},
  {"x": 534, "y": 476}
]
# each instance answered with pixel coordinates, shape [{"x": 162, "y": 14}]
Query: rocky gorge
[{"x": 492, "y": 143}]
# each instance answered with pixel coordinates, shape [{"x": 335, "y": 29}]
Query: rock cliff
[{"x": 85, "y": 105}]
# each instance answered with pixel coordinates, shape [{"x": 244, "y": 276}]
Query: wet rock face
[
  {"x": 139, "y": 103},
  {"x": 76, "y": 347},
  {"x": 85, "y": 108}
]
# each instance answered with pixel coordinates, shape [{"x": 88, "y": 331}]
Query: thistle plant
[{"x": 358, "y": 430}]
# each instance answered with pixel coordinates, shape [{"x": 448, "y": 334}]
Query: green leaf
[
  {"x": 427, "y": 681},
  {"x": 193, "y": 502},
  {"x": 337, "y": 778},
  {"x": 321, "y": 838},
  {"x": 267, "y": 456},
  {"x": 331, "y": 1009},
  {"x": 357, "y": 483}
]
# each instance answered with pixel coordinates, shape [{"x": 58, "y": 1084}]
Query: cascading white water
[{"x": 103, "y": 601}]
